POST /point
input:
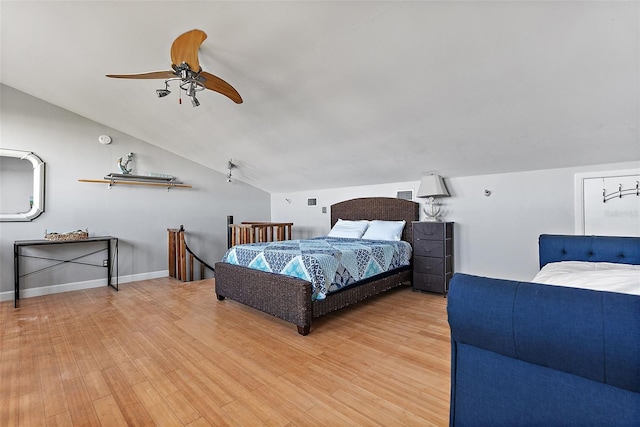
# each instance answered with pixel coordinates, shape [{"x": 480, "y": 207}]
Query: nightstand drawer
[
  {"x": 431, "y": 283},
  {"x": 432, "y": 248},
  {"x": 428, "y": 265},
  {"x": 432, "y": 230}
]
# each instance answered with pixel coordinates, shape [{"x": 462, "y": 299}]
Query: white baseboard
[{"x": 76, "y": 286}]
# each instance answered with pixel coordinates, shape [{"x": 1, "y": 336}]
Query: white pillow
[
  {"x": 384, "y": 230},
  {"x": 350, "y": 229}
]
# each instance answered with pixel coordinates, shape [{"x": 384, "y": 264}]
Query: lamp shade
[{"x": 432, "y": 186}]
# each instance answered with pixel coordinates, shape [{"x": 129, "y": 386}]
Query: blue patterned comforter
[{"x": 328, "y": 263}]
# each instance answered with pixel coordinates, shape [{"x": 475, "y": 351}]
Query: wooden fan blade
[
  {"x": 151, "y": 75},
  {"x": 216, "y": 84},
  {"x": 185, "y": 49}
]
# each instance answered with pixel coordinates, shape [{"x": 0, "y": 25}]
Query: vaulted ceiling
[{"x": 343, "y": 93}]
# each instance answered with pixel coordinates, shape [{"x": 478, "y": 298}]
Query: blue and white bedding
[{"x": 329, "y": 263}]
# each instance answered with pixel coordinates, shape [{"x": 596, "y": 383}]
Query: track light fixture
[
  {"x": 230, "y": 166},
  {"x": 189, "y": 81}
]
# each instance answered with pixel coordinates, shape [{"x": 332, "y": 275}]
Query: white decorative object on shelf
[
  {"x": 160, "y": 175},
  {"x": 123, "y": 165}
]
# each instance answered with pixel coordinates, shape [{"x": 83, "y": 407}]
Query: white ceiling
[{"x": 348, "y": 93}]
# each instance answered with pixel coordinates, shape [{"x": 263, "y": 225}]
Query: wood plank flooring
[{"x": 166, "y": 353}]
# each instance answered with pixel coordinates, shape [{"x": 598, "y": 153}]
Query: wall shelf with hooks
[{"x": 149, "y": 181}]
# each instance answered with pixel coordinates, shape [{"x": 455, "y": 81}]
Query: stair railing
[{"x": 179, "y": 253}]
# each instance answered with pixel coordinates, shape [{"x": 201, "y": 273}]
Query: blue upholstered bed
[{"x": 541, "y": 355}]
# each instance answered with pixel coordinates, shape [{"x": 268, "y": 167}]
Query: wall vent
[
  {"x": 312, "y": 202},
  {"x": 405, "y": 194}
]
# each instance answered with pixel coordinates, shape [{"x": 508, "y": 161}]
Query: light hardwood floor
[{"x": 163, "y": 352}]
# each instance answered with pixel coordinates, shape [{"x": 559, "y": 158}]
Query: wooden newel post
[
  {"x": 182, "y": 255},
  {"x": 229, "y": 230},
  {"x": 172, "y": 251},
  {"x": 177, "y": 253}
]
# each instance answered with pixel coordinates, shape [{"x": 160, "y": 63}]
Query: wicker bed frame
[{"x": 289, "y": 298}]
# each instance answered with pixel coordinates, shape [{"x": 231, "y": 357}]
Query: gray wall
[
  {"x": 494, "y": 236},
  {"x": 139, "y": 216}
]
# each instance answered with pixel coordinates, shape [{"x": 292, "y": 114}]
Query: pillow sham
[
  {"x": 349, "y": 229},
  {"x": 384, "y": 230}
]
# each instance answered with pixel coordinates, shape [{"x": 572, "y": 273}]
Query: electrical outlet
[{"x": 105, "y": 263}]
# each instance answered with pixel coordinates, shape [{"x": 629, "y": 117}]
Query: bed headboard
[
  {"x": 382, "y": 208},
  {"x": 555, "y": 248}
]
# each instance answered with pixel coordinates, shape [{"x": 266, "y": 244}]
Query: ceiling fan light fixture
[
  {"x": 186, "y": 70},
  {"x": 163, "y": 92}
]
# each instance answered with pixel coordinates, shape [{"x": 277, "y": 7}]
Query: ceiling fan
[{"x": 187, "y": 71}]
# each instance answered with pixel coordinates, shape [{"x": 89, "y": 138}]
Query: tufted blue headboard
[{"x": 555, "y": 248}]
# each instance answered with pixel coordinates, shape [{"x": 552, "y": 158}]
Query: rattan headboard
[{"x": 382, "y": 208}]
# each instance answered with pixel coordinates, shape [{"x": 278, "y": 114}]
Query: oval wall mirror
[{"x": 22, "y": 185}]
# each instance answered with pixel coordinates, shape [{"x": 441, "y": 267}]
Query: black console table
[{"x": 111, "y": 246}]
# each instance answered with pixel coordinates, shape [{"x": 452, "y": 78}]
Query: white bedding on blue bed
[{"x": 599, "y": 276}]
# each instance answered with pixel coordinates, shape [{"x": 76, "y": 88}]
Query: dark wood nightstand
[{"x": 432, "y": 256}]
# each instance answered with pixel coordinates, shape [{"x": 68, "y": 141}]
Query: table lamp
[{"x": 432, "y": 186}]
